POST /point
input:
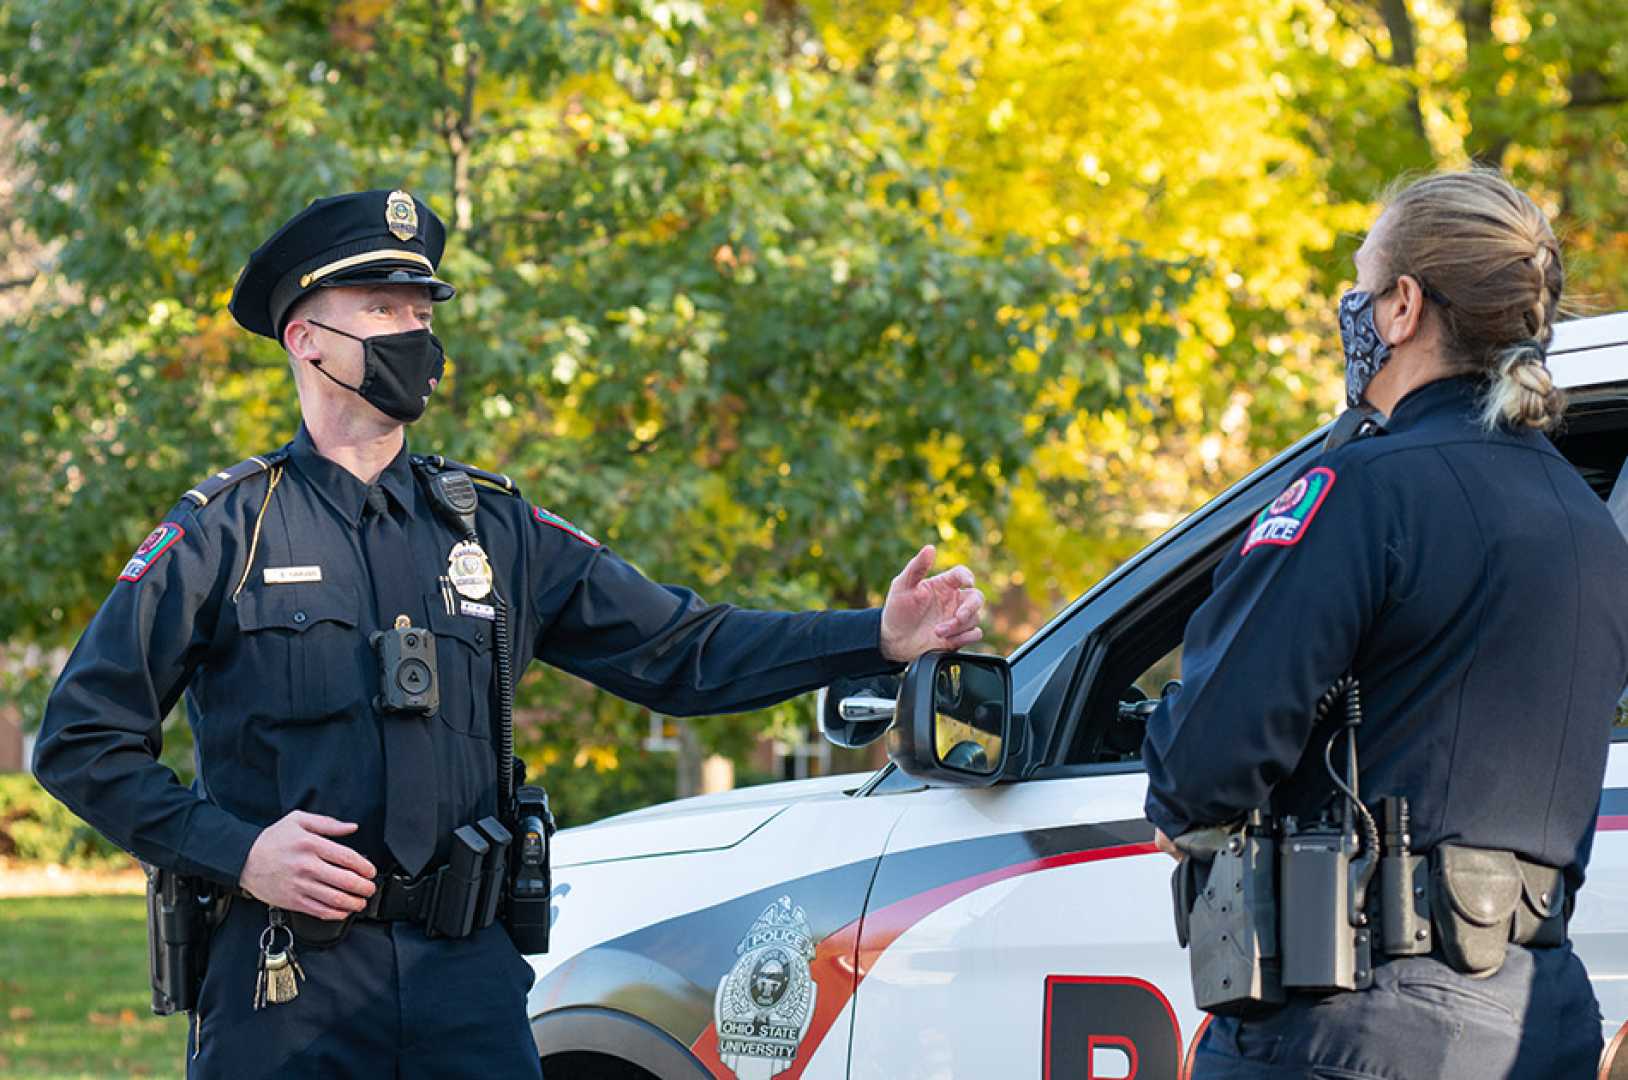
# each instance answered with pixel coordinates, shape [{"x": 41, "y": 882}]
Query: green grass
[{"x": 74, "y": 997}]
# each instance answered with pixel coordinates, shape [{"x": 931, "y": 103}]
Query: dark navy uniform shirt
[
  {"x": 1475, "y": 586},
  {"x": 269, "y": 641}
]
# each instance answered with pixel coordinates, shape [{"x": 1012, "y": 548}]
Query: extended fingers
[
  {"x": 968, "y": 610},
  {"x": 325, "y": 898},
  {"x": 958, "y": 577},
  {"x": 322, "y": 824},
  {"x": 915, "y": 571},
  {"x": 975, "y": 634},
  {"x": 343, "y": 857},
  {"x": 344, "y": 881}
]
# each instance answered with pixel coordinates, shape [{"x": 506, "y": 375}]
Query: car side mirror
[
  {"x": 954, "y": 719},
  {"x": 856, "y": 712}
]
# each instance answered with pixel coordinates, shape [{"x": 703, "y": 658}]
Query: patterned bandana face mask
[{"x": 1365, "y": 351}]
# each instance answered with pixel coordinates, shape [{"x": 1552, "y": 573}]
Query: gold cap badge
[{"x": 401, "y": 215}]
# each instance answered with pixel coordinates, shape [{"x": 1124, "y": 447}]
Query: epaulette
[
  {"x": 208, "y": 489},
  {"x": 437, "y": 463}
]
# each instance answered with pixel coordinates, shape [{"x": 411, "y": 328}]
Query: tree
[
  {"x": 711, "y": 305},
  {"x": 1538, "y": 88},
  {"x": 1168, "y": 126}
]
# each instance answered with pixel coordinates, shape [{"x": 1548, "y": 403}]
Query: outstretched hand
[{"x": 923, "y": 614}]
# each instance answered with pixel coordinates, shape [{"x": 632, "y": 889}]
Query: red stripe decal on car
[{"x": 846, "y": 956}]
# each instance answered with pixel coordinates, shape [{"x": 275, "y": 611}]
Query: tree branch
[
  {"x": 1399, "y": 25},
  {"x": 457, "y": 128},
  {"x": 1486, "y": 147},
  {"x": 1342, "y": 17},
  {"x": 1404, "y": 53},
  {"x": 1587, "y": 89}
]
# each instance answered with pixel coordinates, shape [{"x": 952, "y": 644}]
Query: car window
[
  {"x": 1137, "y": 657},
  {"x": 1160, "y": 674}
]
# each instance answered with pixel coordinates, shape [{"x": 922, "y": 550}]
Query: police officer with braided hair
[
  {"x": 341, "y": 782},
  {"x": 1455, "y": 564}
]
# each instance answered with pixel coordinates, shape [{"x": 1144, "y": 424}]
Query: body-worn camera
[{"x": 407, "y": 675}]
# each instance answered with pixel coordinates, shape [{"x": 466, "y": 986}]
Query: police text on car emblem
[{"x": 766, "y": 1002}]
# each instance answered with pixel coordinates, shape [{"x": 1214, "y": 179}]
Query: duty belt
[
  {"x": 423, "y": 901},
  {"x": 398, "y": 899}
]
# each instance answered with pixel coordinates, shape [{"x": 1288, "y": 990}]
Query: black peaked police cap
[{"x": 365, "y": 238}]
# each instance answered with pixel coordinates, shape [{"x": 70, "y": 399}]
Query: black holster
[
  {"x": 181, "y": 913},
  {"x": 1224, "y": 894}
]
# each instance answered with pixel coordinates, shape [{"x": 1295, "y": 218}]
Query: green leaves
[{"x": 714, "y": 302}]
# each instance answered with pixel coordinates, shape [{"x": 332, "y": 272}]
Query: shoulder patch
[
  {"x": 545, "y": 517},
  {"x": 157, "y": 544},
  {"x": 206, "y": 490},
  {"x": 1284, "y": 522}
]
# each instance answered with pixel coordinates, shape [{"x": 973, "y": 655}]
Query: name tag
[
  {"x": 289, "y": 575},
  {"x": 479, "y": 611}
]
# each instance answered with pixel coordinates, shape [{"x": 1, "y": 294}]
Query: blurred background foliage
[{"x": 763, "y": 294}]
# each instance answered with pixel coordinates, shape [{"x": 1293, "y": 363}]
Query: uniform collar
[
  {"x": 340, "y": 488},
  {"x": 1455, "y": 396}
]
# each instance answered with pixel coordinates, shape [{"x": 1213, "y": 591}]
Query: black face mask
[{"x": 397, "y": 370}]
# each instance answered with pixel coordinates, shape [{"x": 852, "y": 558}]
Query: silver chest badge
[
  {"x": 766, "y": 1002},
  {"x": 469, "y": 571}
]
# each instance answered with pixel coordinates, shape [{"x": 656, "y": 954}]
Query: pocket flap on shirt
[
  {"x": 296, "y": 608},
  {"x": 469, "y": 629}
]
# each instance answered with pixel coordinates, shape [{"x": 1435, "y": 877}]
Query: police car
[{"x": 990, "y": 903}]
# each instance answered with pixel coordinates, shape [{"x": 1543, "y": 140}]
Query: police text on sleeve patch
[
  {"x": 1284, "y": 522},
  {"x": 157, "y": 543},
  {"x": 547, "y": 518}
]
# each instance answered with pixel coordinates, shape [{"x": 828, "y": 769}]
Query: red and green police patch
[
  {"x": 546, "y": 517},
  {"x": 1284, "y": 522},
  {"x": 159, "y": 541}
]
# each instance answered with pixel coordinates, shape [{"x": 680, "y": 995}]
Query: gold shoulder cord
[{"x": 259, "y": 519}]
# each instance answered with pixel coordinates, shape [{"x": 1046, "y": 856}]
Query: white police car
[{"x": 989, "y": 904}]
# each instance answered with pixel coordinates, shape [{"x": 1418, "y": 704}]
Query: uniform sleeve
[
  {"x": 99, "y": 742},
  {"x": 665, "y": 648},
  {"x": 1290, "y": 607}
]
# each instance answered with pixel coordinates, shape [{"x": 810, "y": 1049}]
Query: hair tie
[{"x": 1531, "y": 345}]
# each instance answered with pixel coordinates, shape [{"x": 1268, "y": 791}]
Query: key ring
[{"x": 269, "y": 935}]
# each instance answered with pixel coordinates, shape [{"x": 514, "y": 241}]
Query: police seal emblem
[
  {"x": 401, "y": 215},
  {"x": 469, "y": 571},
  {"x": 765, "y": 1004}
]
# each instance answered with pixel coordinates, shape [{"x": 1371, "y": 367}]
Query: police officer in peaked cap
[
  {"x": 1452, "y": 562},
  {"x": 324, "y": 808}
]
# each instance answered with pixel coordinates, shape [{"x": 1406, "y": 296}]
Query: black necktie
[{"x": 409, "y": 761}]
